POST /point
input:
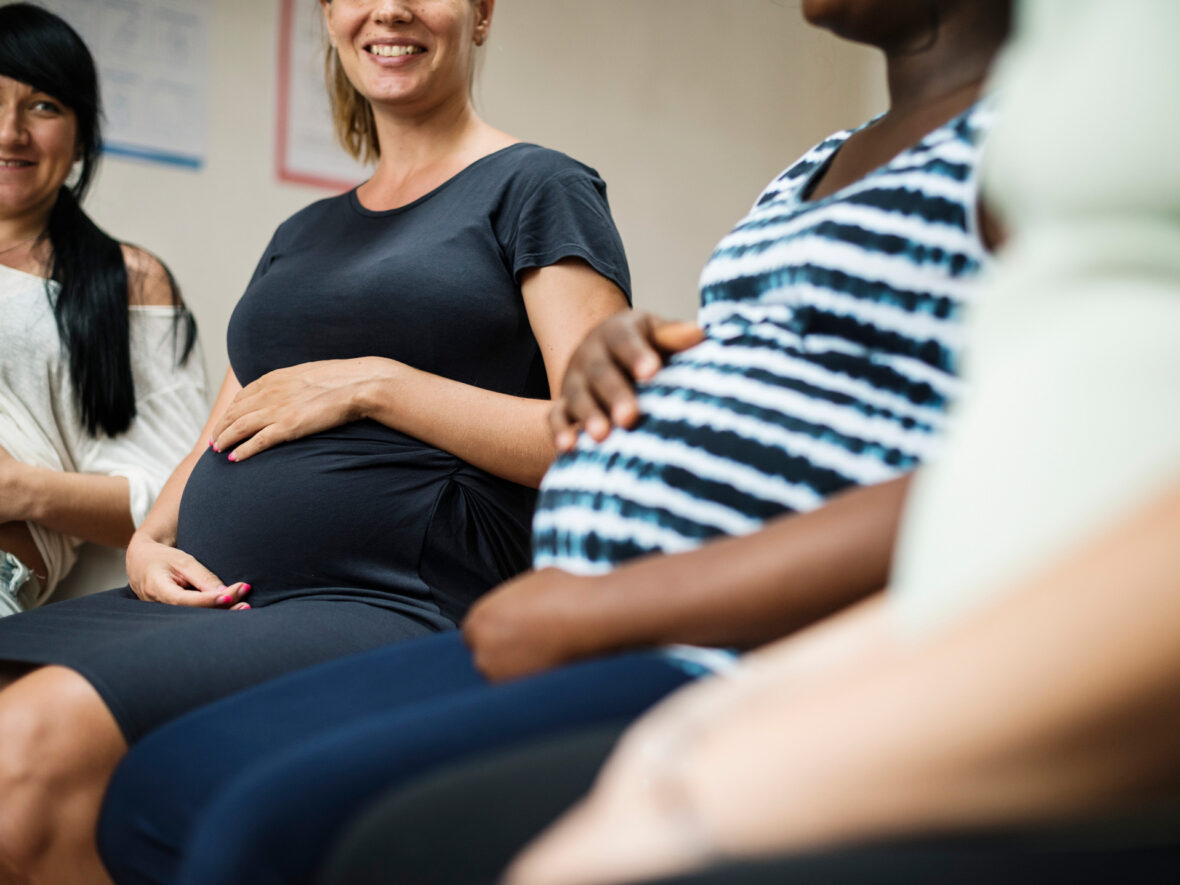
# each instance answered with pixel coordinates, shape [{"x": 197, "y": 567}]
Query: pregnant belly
[{"x": 343, "y": 509}]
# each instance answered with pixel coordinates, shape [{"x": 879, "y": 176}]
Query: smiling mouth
[
  {"x": 15, "y": 164},
  {"x": 384, "y": 50}
]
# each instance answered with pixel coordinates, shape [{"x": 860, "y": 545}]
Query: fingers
[
  {"x": 266, "y": 438},
  {"x": 564, "y": 431},
  {"x": 581, "y": 403},
  {"x": 191, "y": 584},
  {"x": 598, "y": 390},
  {"x": 675, "y": 337},
  {"x": 629, "y": 343},
  {"x": 241, "y": 427}
]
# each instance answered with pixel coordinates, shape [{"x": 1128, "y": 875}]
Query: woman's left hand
[{"x": 295, "y": 402}]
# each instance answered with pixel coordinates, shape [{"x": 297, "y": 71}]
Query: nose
[
  {"x": 393, "y": 11},
  {"x": 13, "y": 132}
]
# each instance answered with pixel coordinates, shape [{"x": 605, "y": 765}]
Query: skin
[
  {"x": 428, "y": 131},
  {"x": 730, "y": 592},
  {"x": 39, "y": 134},
  {"x": 1091, "y": 731}
]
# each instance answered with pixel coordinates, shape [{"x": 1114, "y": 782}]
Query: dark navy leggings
[{"x": 255, "y": 788}]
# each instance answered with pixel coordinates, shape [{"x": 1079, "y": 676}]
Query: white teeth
[
  {"x": 394, "y": 51},
  {"x": 15, "y": 163}
]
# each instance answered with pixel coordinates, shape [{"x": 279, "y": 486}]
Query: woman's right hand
[
  {"x": 599, "y": 387},
  {"x": 160, "y": 573}
]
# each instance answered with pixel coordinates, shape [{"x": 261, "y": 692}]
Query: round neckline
[
  {"x": 354, "y": 200},
  {"x": 816, "y": 174}
]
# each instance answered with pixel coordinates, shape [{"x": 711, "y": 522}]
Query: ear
[
  {"x": 326, "y": 8},
  {"x": 483, "y": 19}
]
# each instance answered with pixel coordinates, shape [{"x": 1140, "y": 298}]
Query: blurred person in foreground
[{"x": 1022, "y": 669}]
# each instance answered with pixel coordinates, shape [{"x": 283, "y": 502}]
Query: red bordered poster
[{"x": 306, "y": 151}]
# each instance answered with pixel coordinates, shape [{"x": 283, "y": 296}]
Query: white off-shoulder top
[{"x": 40, "y": 418}]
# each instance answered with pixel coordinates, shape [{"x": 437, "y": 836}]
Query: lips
[
  {"x": 388, "y": 50},
  {"x": 15, "y": 164}
]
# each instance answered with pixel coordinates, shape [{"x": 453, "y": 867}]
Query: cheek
[{"x": 62, "y": 145}]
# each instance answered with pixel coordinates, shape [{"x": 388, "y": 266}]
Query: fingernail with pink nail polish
[
  {"x": 233, "y": 456},
  {"x": 246, "y": 588},
  {"x": 224, "y": 600},
  {"x": 245, "y": 606}
]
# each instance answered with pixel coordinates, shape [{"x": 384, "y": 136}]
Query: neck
[
  {"x": 412, "y": 142},
  {"x": 23, "y": 228},
  {"x": 950, "y": 61}
]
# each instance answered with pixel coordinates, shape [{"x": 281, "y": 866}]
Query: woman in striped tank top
[{"x": 823, "y": 366}]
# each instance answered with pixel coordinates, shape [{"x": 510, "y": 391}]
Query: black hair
[{"x": 90, "y": 306}]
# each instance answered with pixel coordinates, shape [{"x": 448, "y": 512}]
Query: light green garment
[{"x": 1072, "y": 416}]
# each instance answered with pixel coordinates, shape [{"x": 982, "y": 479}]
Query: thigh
[
  {"x": 275, "y": 839},
  {"x": 490, "y": 807},
  {"x": 170, "y": 776},
  {"x": 187, "y": 660}
]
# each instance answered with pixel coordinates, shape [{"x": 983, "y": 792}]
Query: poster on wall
[
  {"x": 307, "y": 150},
  {"x": 153, "y": 63}
]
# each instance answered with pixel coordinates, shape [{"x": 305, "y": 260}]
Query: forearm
[
  {"x": 92, "y": 507},
  {"x": 748, "y": 590},
  {"x": 505, "y": 435},
  {"x": 1058, "y": 700},
  {"x": 160, "y": 523}
]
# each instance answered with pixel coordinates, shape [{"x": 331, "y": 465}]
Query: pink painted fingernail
[
  {"x": 246, "y": 588},
  {"x": 233, "y": 456},
  {"x": 244, "y": 606},
  {"x": 225, "y": 600}
]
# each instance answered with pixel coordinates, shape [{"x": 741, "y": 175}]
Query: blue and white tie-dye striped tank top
[{"x": 832, "y": 331}]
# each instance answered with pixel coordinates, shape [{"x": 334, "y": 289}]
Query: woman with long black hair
[{"x": 100, "y": 394}]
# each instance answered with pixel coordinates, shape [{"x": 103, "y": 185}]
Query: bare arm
[
  {"x": 505, "y": 435},
  {"x": 94, "y": 508},
  {"x": 741, "y": 591},
  {"x": 1056, "y": 701}
]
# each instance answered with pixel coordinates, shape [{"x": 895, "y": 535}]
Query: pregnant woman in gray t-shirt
[{"x": 366, "y": 470}]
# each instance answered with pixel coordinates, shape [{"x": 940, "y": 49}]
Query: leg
[
  {"x": 497, "y": 802},
  {"x": 58, "y": 747},
  {"x": 257, "y": 829},
  {"x": 172, "y": 775}
]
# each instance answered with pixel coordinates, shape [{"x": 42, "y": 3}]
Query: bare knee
[{"x": 58, "y": 746}]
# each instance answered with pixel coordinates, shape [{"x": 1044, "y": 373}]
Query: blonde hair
[{"x": 352, "y": 115}]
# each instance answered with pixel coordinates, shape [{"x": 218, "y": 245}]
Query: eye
[{"x": 47, "y": 105}]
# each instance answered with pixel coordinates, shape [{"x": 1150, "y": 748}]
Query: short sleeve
[
  {"x": 567, "y": 216},
  {"x": 171, "y": 408}
]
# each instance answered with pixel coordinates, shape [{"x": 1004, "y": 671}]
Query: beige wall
[{"x": 686, "y": 107}]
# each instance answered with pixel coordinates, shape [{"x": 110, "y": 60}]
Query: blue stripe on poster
[{"x": 186, "y": 161}]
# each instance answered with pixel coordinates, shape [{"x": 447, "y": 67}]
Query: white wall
[{"x": 686, "y": 107}]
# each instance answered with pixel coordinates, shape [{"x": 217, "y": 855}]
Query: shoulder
[
  {"x": 308, "y": 224},
  {"x": 529, "y": 167},
  {"x": 148, "y": 280},
  {"x": 326, "y": 211}
]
